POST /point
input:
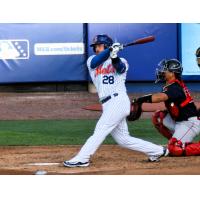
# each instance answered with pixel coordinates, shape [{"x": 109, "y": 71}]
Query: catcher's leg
[
  {"x": 177, "y": 148},
  {"x": 192, "y": 149},
  {"x": 163, "y": 123},
  {"x": 185, "y": 132},
  {"x": 121, "y": 135}
]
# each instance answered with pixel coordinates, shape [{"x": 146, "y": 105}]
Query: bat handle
[{"x": 120, "y": 47}]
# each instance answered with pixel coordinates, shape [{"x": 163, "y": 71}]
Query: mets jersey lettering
[{"x": 100, "y": 70}]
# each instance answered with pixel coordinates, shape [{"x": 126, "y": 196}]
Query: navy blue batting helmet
[{"x": 102, "y": 39}]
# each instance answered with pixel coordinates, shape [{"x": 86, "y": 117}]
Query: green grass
[{"x": 55, "y": 132}]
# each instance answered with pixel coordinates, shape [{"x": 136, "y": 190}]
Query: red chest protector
[{"x": 174, "y": 109}]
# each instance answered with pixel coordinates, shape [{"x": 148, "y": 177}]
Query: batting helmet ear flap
[{"x": 94, "y": 49}]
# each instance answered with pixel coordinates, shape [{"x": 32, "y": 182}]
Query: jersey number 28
[{"x": 108, "y": 79}]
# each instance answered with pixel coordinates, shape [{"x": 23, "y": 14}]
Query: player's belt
[{"x": 108, "y": 98}]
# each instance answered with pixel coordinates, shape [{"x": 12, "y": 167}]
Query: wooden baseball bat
[{"x": 140, "y": 41}]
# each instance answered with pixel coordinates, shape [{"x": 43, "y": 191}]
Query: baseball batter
[
  {"x": 108, "y": 73},
  {"x": 180, "y": 122}
]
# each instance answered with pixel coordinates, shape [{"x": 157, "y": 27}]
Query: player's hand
[
  {"x": 115, "y": 48},
  {"x": 117, "y": 45}
]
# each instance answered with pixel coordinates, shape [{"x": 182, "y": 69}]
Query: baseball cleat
[
  {"x": 156, "y": 158},
  {"x": 75, "y": 164}
]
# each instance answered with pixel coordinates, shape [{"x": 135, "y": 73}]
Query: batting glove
[{"x": 115, "y": 48}]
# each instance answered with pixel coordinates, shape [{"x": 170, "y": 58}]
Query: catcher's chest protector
[{"x": 174, "y": 107}]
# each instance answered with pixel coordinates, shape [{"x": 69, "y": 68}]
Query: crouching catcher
[{"x": 180, "y": 122}]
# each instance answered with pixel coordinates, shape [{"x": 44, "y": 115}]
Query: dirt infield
[{"x": 110, "y": 159}]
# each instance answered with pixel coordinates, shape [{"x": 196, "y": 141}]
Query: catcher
[{"x": 180, "y": 122}]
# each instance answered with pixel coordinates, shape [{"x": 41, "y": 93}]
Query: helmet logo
[{"x": 95, "y": 39}]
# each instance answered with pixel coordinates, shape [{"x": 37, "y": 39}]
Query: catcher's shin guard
[
  {"x": 192, "y": 149},
  {"x": 175, "y": 147},
  {"x": 157, "y": 120}
]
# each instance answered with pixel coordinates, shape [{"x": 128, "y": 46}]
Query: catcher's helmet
[
  {"x": 102, "y": 39},
  {"x": 171, "y": 65}
]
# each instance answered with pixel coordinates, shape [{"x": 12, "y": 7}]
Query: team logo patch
[
  {"x": 14, "y": 49},
  {"x": 95, "y": 39}
]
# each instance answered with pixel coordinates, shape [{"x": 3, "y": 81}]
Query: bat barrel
[{"x": 140, "y": 41}]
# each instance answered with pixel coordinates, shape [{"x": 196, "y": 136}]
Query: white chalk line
[{"x": 42, "y": 164}]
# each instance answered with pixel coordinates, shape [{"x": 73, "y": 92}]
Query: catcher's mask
[{"x": 171, "y": 65}]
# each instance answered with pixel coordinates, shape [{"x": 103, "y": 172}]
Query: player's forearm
[
  {"x": 153, "y": 98},
  {"x": 159, "y": 97},
  {"x": 100, "y": 58},
  {"x": 118, "y": 65}
]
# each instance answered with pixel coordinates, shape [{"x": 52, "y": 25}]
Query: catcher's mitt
[{"x": 136, "y": 111}]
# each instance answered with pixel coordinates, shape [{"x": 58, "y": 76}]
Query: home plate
[{"x": 42, "y": 164}]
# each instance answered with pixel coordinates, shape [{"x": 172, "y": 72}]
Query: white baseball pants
[{"x": 113, "y": 121}]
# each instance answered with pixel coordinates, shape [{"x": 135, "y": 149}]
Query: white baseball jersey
[{"x": 106, "y": 79}]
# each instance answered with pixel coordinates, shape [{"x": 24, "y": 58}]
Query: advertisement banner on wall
[{"x": 42, "y": 52}]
